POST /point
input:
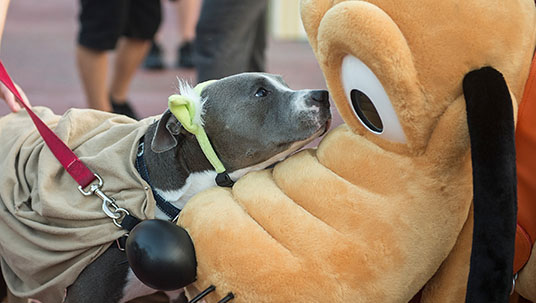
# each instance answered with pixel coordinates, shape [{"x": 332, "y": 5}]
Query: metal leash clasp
[
  {"x": 109, "y": 207},
  {"x": 514, "y": 279}
]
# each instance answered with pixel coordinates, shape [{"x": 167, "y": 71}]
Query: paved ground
[{"x": 39, "y": 45}]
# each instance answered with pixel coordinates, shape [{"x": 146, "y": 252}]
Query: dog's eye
[
  {"x": 370, "y": 101},
  {"x": 261, "y": 92}
]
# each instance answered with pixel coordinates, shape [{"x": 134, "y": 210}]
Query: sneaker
[
  {"x": 153, "y": 60},
  {"x": 123, "y": 109},
  {"x": 185, "y": 55}
]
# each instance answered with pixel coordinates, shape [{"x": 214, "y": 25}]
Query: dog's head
[{"x": 252, "y": 119}]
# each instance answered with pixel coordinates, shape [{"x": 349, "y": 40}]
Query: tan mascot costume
[{"x": 382, "y": 210}]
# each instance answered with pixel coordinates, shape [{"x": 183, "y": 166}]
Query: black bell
[{"x": 161, "y": 254}]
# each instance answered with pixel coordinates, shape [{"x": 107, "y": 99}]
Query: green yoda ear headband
[{"x": 187, "y": 111}]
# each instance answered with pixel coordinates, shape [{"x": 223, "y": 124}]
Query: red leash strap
[{"x": 80, "y": 173}]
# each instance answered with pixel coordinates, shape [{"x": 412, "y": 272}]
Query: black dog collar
[{"x": 166, "y": 207}]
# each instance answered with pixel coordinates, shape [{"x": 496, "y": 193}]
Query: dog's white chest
[{"x": 195, "y": 183}]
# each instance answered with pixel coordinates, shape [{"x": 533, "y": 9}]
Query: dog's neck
[{"x": 179, "y": 173}]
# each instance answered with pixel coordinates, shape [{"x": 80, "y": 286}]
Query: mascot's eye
[
  {"x": 261, "y": 92},
  {"x": 370, "y": 101},
  {"x": 366, "y": 111}
]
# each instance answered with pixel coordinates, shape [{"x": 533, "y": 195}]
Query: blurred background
[{"x": 38, "y": 50}]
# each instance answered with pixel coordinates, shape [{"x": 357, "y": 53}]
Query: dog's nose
[{"x": 321, "y": 97}]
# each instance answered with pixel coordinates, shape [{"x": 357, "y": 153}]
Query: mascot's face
[{"x": 394, "y": 68}]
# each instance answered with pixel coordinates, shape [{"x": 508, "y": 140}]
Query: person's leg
[
  {"x": 93, "y": 68},
  {"x": 143, "y": 20},
  {"x": 129, "y": 55},
  {"x": 101, "y": 23},
  {"x": 154, "y": 59},
  {"x": 187, "y": 17},
  {"x": 225, "y": 35}
]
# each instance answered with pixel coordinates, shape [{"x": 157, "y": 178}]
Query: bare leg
[
  {"x": 3, "y": 12},
  {"x": 93, "y": 69},
  {"x": 188, "y": 14},
  {"x": 130, "y": 53}
]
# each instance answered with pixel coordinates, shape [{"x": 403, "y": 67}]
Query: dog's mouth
[
  {"x": 325, "y": 127},
  {"x": 289, "y": 151},
  {"x": 297, "y": 145}
]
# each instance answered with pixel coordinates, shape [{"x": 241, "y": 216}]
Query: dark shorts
[{"x": 103, "y": 22}]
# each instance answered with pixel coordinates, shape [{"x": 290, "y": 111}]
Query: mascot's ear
[
  {"x": 491, "y": 128},
  {"x": 164, "y": 136}
]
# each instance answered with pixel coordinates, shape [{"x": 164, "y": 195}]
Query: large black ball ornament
[{"x": 161, "y": 254}]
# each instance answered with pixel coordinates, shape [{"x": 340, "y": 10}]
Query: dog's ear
[
  {"x": 490, "y": 118},
  {"x": 164, "y": 136}
]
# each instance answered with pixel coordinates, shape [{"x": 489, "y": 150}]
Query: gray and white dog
[{"x": 253, "y": 120}]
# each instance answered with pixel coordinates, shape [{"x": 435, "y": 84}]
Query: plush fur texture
[{"x": 364, "y": 218}]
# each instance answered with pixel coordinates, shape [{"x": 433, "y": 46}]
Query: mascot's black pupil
[{"x": 366, "y": 111}]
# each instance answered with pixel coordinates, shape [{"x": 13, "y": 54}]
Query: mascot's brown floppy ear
[
  {"x": 164, "y": 136},
  {"x": 491, "y": 129}
]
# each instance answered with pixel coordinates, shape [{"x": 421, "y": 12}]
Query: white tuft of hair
[{"x": 186, "y": 89}]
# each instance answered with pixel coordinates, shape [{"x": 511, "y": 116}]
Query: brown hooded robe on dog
[{"x": 49, "y": 231}]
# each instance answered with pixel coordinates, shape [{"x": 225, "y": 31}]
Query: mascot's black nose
[{"x": 320, "y": 97}]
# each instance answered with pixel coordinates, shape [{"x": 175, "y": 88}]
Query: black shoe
[
  {"x": 185, "y": 55},
  {"x": 153, "y": 60},
  {"x": 123, "y": 109}
]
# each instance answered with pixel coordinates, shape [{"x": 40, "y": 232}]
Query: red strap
[{"x": 80, "y": 173}]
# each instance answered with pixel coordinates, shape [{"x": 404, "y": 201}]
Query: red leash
[{"x": 80, "y": 173}]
